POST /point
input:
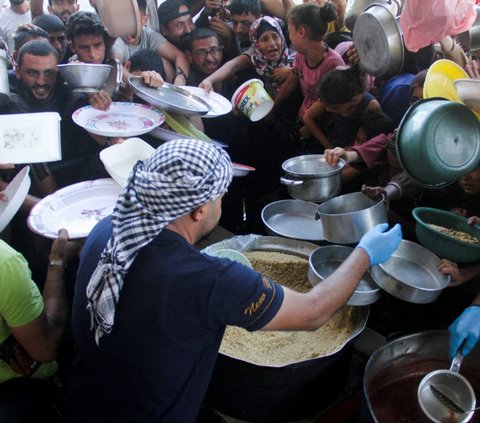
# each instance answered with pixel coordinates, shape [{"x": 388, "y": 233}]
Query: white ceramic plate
[
  {"x": 119, "y": 159},
  {"x": 218, "y": 103},
  {"x": 120, "y": 120},
  {"x": 77, "y": 208},
  {"x": 16, "y": 192}
]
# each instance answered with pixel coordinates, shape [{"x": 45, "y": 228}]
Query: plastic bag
[
  {"x": 425, "y": 22},
  {"x": 240, "y": 243}
]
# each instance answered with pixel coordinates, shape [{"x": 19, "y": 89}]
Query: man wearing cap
[
  {"x": 150, "y": 310},
  {"x": 175, "y": 22}
]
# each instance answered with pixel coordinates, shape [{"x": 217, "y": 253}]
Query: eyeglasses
[{"x": 203, "y": 52}]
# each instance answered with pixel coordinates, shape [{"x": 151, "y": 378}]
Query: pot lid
[
  {"x": 438, "y": 141},
  {"x": 379, "y": 42},
  {"x": 170, "y": 98},
  {"x": 311, "y": 165}
]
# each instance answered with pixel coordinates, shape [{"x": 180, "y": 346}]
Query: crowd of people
[{"x": 101, "y": 339}]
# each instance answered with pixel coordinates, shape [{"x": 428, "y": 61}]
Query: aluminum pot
[
  {"x": 470, "y": 39},
  {"x": 394, "y": 371},
  {"x": 4, "y": 86},
  {"x": 378, "y": 39},
  {"x": 356, "y": 7},
  {"x": 310, "y": 178},
  {"x": 348, "y": 217}
]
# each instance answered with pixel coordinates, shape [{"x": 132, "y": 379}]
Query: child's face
[
  {"x": 270, "y": 45},
  {"x": 470, "y": 183},
  {"x": 345, "y": 109},
  {"x": 296, "y": 37}
]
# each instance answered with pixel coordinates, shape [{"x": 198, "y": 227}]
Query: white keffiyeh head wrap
[{"x": 180, "y": 176}]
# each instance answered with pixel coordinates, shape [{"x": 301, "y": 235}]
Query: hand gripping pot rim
[{"x": 252, "y": 100}]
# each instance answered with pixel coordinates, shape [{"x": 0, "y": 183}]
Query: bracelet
[
  {"x": 58, "y": 263},
  {"x": 180, "y": 72}
]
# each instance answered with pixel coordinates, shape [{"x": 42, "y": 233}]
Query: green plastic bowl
[
  {"x": 443, "y": 245},
  {"x": 438, "y": 141}
]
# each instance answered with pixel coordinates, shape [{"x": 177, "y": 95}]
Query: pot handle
[
  {"x": 290, "y": 182},
  {"x": 457, "y": 361}
]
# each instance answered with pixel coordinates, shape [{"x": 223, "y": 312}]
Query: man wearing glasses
[{"x": 205, "y": 55}]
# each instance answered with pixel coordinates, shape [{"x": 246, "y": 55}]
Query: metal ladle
[{"x": 446, "y": 395}]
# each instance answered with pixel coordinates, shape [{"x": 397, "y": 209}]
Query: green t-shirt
[{"x": 20, "y": 303}]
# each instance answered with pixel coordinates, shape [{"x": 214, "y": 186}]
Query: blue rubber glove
[
  {"x": 379, "y": 243},
  {"x": 465, "y": 329}
]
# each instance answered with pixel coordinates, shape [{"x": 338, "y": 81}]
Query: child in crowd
[
  {"x": 268, "y": 55},
  {"x": 335, "y": 118},
  {"x": 307, "y": 25}
]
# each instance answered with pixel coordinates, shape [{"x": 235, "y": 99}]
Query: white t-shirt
[
  {"x": 9, "y": 21},
  {"x": 149, "y": 39}
]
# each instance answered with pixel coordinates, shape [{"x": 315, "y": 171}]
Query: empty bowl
[
  {"x": 119, "y": 159},
  {"x": 468, "y": 91},
  {"x": 85, "y": 77}
]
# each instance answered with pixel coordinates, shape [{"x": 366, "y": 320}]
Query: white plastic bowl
[{"x": 119, "y": 159}]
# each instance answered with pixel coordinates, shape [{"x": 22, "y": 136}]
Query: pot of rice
[{"x": 282, "y": 376}]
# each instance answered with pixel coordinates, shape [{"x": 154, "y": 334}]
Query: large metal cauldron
[
  {"x": 394, "y": 371},
  {"x": 254, "y": 393}
]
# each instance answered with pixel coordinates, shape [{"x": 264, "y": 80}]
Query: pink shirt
[{"x": 309, "y": 77}]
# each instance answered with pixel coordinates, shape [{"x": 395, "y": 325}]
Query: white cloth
[{"x": 9, "y": 22}]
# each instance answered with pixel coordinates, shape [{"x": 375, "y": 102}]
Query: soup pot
[
  {"x": 348, "y": 217},
  {"x": 394, "y": 372},
  {"x": 470, "y": 39},
  {"x": 310, "y": 178},
  {"x": 356, "y": 7}
]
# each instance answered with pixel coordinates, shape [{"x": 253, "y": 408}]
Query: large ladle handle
[{"x": 457, "y": 361}]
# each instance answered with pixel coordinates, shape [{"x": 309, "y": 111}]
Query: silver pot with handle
[
  {"x": 310, "y": 178},
  {"x": 356, "y": 7},
  {"x": 4, "y": 86}
]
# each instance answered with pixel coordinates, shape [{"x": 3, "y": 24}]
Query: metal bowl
[
  {"x": 293, "y": 219},
  {"x": 411, "y": 274},
  {"x": 440, "y": 244},
  {"x": 84, "y": 77},
  {"x": 325, "y": 260},
  {"x": 348, "y": 217}
]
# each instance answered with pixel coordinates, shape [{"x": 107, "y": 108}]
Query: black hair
[
  {"x": 146, "y": 60},
  {"x": 84, "y": 23},
  {"x": 339, "y": 86},
  {"x": 142, "y": 5},
  {"x": 22, "y": 36},
  {"x": 36, "y": 48},
  {"x": 375, "y": 123},
  {"x": 199, "y": 34},
  {"x": 313, "y": 17},
  {"x": 50, "y": 2},
  {"x": 239, "y": 7},
  {"x": 49, "y": 22}
]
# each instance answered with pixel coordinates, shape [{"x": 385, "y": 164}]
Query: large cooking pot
[
  {"x": 438, "y": 141},
  {"x": 4, "y": 86},
  {"x": 356, "y": 7},
  {"x": 348, "y": 217},
  {"x": 395, "y": 370},
  {"x": 249, "y": 392},
  {"x": 378, "y": 39},
  {"x": 310, "y": 178}
]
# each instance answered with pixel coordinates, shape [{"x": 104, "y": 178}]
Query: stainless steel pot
[
  {"x": 347, "y": 218},
  {"x": 394, "y": 371},
  {"x": 378, "y": 39},
  {"x": 310, "y": 178},
  {"x": 4, "y": 86},
  {"x": 356, "y": 7},
  {"x": 470, "y": 39}
]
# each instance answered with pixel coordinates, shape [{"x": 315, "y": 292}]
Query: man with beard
[
  {"x": 11, "y": 17},
  {"x": 175, "y": 21},
  {"x": 61, "y": 8}
]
